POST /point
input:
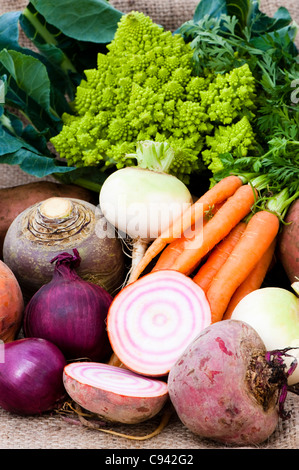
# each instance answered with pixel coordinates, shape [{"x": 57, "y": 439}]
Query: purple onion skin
[
  {"x": 71, "y": 313},
  {"x": 31, "y": 376}
]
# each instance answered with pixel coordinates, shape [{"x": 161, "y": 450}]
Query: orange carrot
[
  {"x": 260, "y": 232},
  {"x": 253, "y": 281},
  {"x": 175, "y": 248},
  {"x": 229, "y": 215},
  {"x": 217, "y": 194},
  {"x": 169, "y": 255},
  {"x": 218, "y": 256}
]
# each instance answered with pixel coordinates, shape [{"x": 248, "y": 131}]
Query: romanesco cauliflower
[
  {"x": 237, "y": 138},
  {"x": 144, "y": 88}
]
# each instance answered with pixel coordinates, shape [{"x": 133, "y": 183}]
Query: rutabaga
[
  {"x": 57, "y": 224},
  {"x": 142, "y": 201}
]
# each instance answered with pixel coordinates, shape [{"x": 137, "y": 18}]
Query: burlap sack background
[{"x": 54, "y": 431}]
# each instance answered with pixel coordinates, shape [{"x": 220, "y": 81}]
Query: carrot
[
  {"x": 253, "y": 281},
  {"x": 260, "y": 232},
  {"x": 217, "y": 194},
  {"x": 229, "y": 215},
  {"x": 175, "y": 248},
  {"x": 218, "y": 256}
]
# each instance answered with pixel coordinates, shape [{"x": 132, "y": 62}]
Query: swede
[
  {"x": 223, "y": 388},
  {"x": 57, "y": 224}
]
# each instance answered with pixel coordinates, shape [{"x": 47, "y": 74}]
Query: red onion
[
  {"x": 70, "y": 312},
  {"x": 31, "y": 376}
]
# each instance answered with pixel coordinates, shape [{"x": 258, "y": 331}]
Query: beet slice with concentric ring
[
  {"x": 151, "y": 321},
  {"x": 114, "y": 393}
]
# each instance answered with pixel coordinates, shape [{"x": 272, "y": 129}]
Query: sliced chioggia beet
[
  {"x": 115, "y": 394},
  {"x": 151, "y": 321}
]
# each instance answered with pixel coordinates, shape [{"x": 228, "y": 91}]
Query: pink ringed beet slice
[
  {"x": 114, "y": 393},
  {"x": 151, "y": 321}
]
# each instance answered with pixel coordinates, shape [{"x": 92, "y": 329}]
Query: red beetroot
[{"x": 223, "y": 388}]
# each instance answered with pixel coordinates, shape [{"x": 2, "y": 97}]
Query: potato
[
  {"x": 288, "y": 243},
  {"x": 222, "y": 388},
  {"x": 17, "y": 198}
]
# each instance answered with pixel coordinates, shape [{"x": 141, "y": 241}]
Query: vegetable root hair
[{"x": 84, "y": 419}]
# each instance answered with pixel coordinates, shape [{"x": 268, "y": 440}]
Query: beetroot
[
  {"x": 114, "y": 393},
  {"x": 224, "y": 388},
  {"x": 288, "y": 243}
]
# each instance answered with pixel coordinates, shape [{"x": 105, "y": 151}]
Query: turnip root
[
  {"x": 274, "y": 313},
  {"x": 143, "y": 200},
  {"x": 115, "y": 394},
  {"x": 223, "y": 388}
]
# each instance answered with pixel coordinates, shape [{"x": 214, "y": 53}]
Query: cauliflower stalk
[{"x": 144, "y": 88}]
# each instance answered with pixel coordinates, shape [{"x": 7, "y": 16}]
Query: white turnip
[
  {"x": 274, "y": 313},
  {"x": 142, "y": 201},
  {"x": 224, "y": 388}
]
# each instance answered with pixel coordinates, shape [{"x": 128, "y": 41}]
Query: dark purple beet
[
  {"x": 70, "y": 312},
  {"x": 31, "y": 376}
]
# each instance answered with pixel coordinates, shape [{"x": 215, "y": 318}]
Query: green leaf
[
  {"x": 13, "y": 136},
  {"x": 8, "y": 143},
  {"x": 214, "y": 8},
  {"x": 262, "y": 23},
  {"x": 9, "y": 32},
  {"x": 33, "y": 163},
  {"x": 88, "y": 177},
  {"x": 61, "y": 84},
  {"x": 26, "y": 147},
  {"x": 46, "y": 38},
  {"x": 66, "y": 58},
  {"x": 29, "y": 74},
  {"x": 243, "y": 10},
  {"x": 29, "y": 89},
  {"x": 84, "y": 20}
]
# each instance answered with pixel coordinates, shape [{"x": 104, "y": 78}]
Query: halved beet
[
  {"x": 151, "y": 321},
  {"x": 114, "y": 393}
]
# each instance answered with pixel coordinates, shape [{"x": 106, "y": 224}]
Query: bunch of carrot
[{"x": 228, "y": 254}]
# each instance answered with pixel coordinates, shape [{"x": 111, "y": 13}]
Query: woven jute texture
[{"x": 57, "y": 431}]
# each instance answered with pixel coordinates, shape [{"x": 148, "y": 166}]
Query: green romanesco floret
[
  {"x": 145, "y": 88},
  {"x": 236, "y": 139},
  {"x": 230, "y": 95}
]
